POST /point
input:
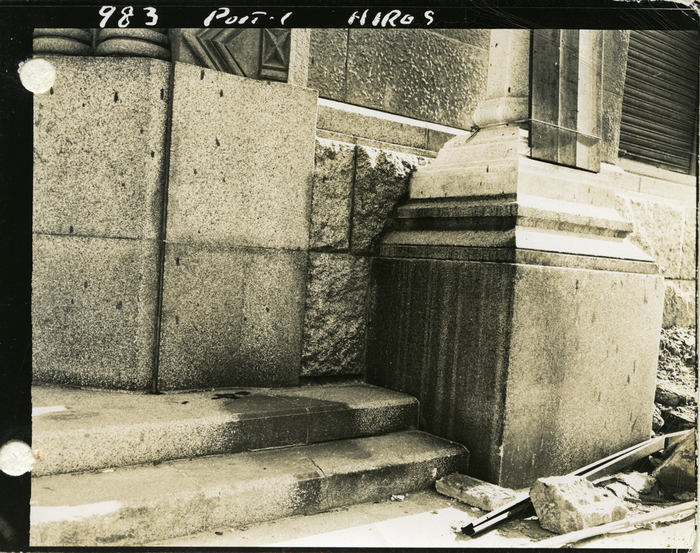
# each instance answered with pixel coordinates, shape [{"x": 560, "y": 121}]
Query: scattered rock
[
  {"x": 669, "y": 398},
  {"x": 680, "y": 418},
  {"x": 658, "y": 421},
  {"x": 474, "y": 492},
  {"x": 639, "y": 482},
  {"x": 569, "y": 503},
  {"x": 677, "y": 473}
]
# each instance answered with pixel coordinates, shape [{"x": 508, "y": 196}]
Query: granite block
[
  {"x": 99, "y": 139},
  {"x": 658, "y": 230},
  {"x": 241, "y": 160},
  {"x": 328, "y": 51},
  {"x": 517, "y": 361},
  {"x": 679, "y": 303},
  {"x": 334, "y": 319},
  {"x": 94, "y": 311},
  {"x": 689, "y": 266},
  {"x": 231, "y": 317},
  {"x": 582, "y": 368},
  {"x": 416, "y": 73},
  {"x": 381, "y": 182},
  {"x": 334, "y": 173}
]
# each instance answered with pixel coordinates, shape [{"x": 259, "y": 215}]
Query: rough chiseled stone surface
[
  {"x": 328, "y": 52},
  {"x": 332, "y": 193},
  {"x": 417, "y": 74},
  {"x": 677, "y": 473},
  {"x": 570, "y": 503},
  {"x": 381, "y": 181},
  {"x": 241, "y": 161},
  {"x": 658, "y": 228},
  {"x": 615, "y": 45},
  {"x": 231, "y": 316},
  {"x": 94, "y": 311},
  {"x": 99, "y": 139},
  {"x": 474, "y": 492},
  {"x": 334, "y": 321},
  {"x": 480, "y": 38},
  {"x": 688, "y": 256},
  {"x": 679, "y": 303}
]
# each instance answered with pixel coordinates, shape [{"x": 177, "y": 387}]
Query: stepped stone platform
[
  {"x": 126, "y": 469},
  {"x": 80, "y": 430}
]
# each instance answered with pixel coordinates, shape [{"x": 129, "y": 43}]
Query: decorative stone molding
[
  {"x": 148, "y": 43},
  {"x": 71, "y": 42},
  {"x": 253, "y": 53}
]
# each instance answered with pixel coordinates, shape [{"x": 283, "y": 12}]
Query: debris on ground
[
  {"x": 677, "y": 473},
  {"x": 645, "y": 520},
  {"x": 569, "y": 503},
  {"x": 675, "y": 399},
  {"x": 474, "y": 492},
  {"x": 398, "y": 497}
]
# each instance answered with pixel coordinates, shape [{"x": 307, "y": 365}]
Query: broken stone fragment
[
  {"x": 569, "y": 503},
  {"x": 639, "y": 482},
  {"x": 669, "y": 398},
  {"x": 658, "y": 421},
  {"x": 677, "y": 473},
  {"x": 474, "y": 492}
]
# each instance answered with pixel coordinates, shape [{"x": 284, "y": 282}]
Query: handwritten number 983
[{"x": 127, "y": 12}]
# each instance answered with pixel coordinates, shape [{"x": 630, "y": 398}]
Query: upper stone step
[
  {"x": 81, "y": 430},
  {"x": 137, "y": 505}
]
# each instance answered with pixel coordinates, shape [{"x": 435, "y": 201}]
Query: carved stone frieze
[{"x": 252, "y": 53}]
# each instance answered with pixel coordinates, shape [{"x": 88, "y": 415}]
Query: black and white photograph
[{"x": 301, "y": 276}]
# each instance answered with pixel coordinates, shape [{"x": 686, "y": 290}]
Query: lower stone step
[
  {"x": 137, "y": 505},
  {"x": 78, "y": 430}
]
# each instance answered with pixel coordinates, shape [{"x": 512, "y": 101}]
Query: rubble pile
[{"x": 675, "y": 401}]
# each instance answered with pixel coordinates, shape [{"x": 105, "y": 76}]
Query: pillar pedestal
[{"x": 510, "y": 302}]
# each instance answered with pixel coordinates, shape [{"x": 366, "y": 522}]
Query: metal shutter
[{"x": 660, "y": 102}]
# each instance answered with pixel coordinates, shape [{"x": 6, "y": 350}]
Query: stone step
[
  {"x": 81, "y": 430},
  {"x": 139, "y": 504}
]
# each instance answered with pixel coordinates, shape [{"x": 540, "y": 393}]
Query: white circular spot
[
  {"x": 16, "y": 458},
  {"x": 37, "y": 75}
]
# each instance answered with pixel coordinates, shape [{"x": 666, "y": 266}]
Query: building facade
[{"x": 496, "y": 222}]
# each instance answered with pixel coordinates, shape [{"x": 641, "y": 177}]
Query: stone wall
[
  {"x": 354, "y": 193},
  {"x": 99, "y": 174},
  {"x": 431, "y": 75}
]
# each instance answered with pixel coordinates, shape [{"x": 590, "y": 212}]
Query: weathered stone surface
[
  {"x": 658, "y": 228},
  {"x": 231, "y": 316},
  {"x": 570, "y": 503},
  {"x": 381, "y": 181},
  {"x": 328, "y": 51},
  {"x": 332, "y": 193},
  {"x": 677, "y": 473},
  {"x": 241, "y": 160},
  {"x": 669, "y": 398},
  {"x": 416, "y": 73},
  {"x": 474, "y": 492},
  {"x": 334, "y": 321},
  {"x": 479, "y": 38},
  {"x": 505, "y": 358},
  {"x": 615, "y": 45},
  {"x": 94, "y": 311},
  {"x": 690, "y": 234},
  {"x": 679, "y": 303},
  {"x": 99, "y": 138},
  {"x": 657, "y": 420}
]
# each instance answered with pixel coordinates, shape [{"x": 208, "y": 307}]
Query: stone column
[{"x": 510, "y": 302}]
